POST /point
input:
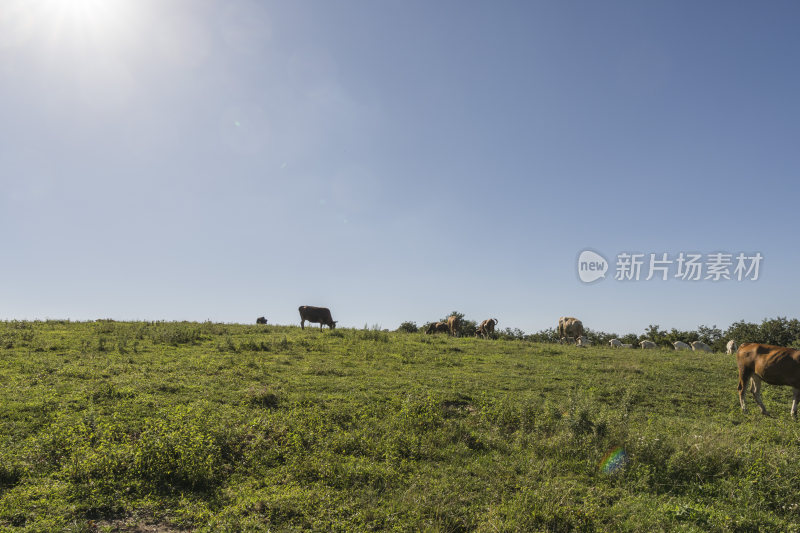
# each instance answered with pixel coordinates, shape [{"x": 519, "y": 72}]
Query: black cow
[
  {"x": 319, "y": 315},
  {"x": 261, "y": 320}
]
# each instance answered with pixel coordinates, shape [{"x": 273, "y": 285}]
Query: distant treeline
[{"x": 779, "y": 331}]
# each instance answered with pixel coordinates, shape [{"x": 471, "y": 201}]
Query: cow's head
[{"x": 333, "y": 324}]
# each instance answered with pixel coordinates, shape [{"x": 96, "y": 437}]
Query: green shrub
[{"x": 408, "y": 327}]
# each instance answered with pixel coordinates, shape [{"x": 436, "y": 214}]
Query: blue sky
[{"x": 193, "y": 160}]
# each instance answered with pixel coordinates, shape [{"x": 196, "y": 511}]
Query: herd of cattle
[
  {"x": 756, "y": 362},
  {"x": 322, "y": 316},
  {"x": 453, "y": 325},
  {"x": 570, "y": 331}
]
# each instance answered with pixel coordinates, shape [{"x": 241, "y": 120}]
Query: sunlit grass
[{"x": 215, "y": 427}]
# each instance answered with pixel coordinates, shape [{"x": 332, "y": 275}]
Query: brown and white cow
[
  {"x": 318, "y": 315},
  {"x": 487, "y": 327},
  {"x": 731, "y": 346},
  {"x": 437, "y": 327},
  {"x": 569, "y": 327},
  {"x": 772, "y": 364}
]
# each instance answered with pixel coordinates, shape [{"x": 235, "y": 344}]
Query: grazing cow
[
  {"x": 453, "y": 322},
  {"x": 569, "y": 327},
  {"x": 680, "y": 345},
  {"x": 319, "y": 315},
  {"x": 615, "y": 343},
  {"x": 583, "y": 341},
  {"x": 647, "y": 345},
  {"x": 731, "y": 346},
  {"x": 487, "y": 327},
  {"x": 437, "y": 327},
  {"x": 627, "y": 345},
  {"x": 772, "y": 364},
  {"x": 261, "y": 320},
  {"x": 698, "y": 346}
]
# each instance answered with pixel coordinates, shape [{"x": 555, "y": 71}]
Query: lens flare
[{"x": 614, "y": 461}]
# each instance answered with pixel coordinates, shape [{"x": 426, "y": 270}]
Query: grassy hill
[{"x": 111, "y": 426}]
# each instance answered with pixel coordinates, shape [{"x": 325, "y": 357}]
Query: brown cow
[
  {"x": 569, "y": 327},
  {"x": 320, "y": 315},
  {"x": 261, "y": 320},
  {"x": 487, "y": 327},
  {"x": 437, "y": 327},
  {"x": 453, "y": 322},
  {"x": 772, "y": 364}
]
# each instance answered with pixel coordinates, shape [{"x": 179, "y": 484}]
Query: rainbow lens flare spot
[{"x": 614, "y": 461}]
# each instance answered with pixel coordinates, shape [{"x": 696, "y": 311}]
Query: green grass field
[{"x": 112, "y": 426}]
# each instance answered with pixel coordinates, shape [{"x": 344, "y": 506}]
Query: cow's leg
[
  {"x": 744, "y": 378},
  {"x": 302, "y": 324},
  {"x": 795, "y": 399},
  {"x": 755, "y": 381}
]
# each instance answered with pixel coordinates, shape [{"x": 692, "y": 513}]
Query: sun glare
[
  {"x": 62, "y": 21},
  {"x": 88, "y": 17}
]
